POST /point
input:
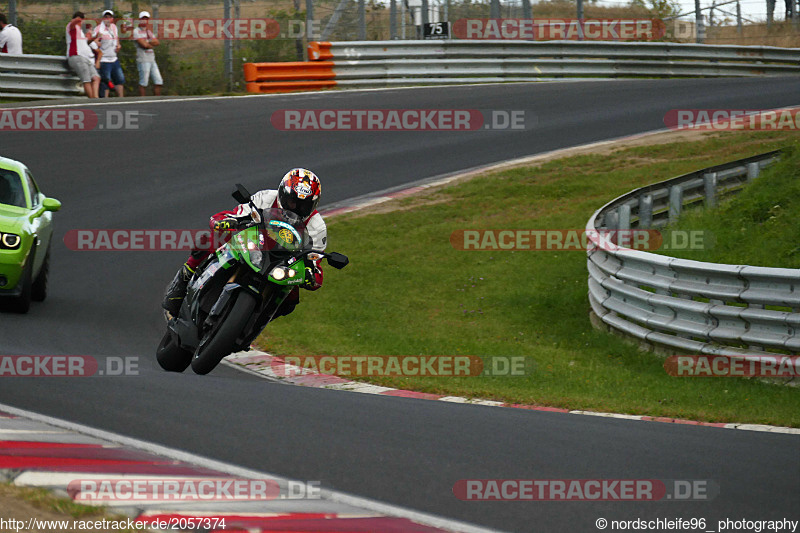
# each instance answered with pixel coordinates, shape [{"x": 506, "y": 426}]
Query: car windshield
[
  {"x": 11, "y": 191},
  {"x": 285, "y": 231}
]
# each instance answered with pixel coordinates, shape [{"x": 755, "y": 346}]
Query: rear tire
[
  {"x": 171, "y": 356},
  {"x": 223, "y": 341},
  {"x": 39, "y": 288}
]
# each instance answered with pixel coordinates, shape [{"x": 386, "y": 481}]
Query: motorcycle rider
[{"x": 298, "y": 192}]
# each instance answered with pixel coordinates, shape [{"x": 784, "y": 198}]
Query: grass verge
[
  {"x": 24, "y": 503},
  {"x": 759, "y": 226},
  {"x": 409, "y": 292}
]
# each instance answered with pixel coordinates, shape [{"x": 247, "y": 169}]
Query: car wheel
[
  {"x": 39, "y": 288},
  {"x": 22, "y": 303}
]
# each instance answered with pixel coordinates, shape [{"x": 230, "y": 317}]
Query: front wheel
[
  {"x": 39, "y": 288},
  {"x": 223, "y": 340},
  {"x": 171, "y": 356},
  {"x": 22, "y": 303}
]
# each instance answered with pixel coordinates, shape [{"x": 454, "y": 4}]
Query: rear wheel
[
  {"x": 39, "y": 288},
  {"x": 223, "y": 340},
  {"x": 171, "y": 356}
]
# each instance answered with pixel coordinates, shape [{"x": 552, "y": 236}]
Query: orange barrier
[
  {"x": 319, "y": 51},
  {"x": 288, "y": 86},
  {"x": 288, "y": 76}
]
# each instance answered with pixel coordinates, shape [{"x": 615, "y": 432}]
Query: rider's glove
[
  {"x": 227, "y": 224},
  {"x": 310, "y": 281}
]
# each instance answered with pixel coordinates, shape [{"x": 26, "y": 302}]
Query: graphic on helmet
[{"x": 299, "y": 191}]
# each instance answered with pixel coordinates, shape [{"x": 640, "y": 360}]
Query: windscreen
[
  {"x": 285, "y": 231},
  {"x": 11, "y": 191}
]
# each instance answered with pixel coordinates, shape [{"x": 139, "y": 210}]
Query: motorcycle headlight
[
  {"x": 278, "y": 273},
  {"x": 256, "y": 257},
  {"x": 10, "y": 241},
  {"x": 292, "y": 272}
]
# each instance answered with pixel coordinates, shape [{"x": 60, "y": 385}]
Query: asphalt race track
[{"x": 180, "y": 169}]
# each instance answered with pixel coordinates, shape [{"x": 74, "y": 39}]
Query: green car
[{"x": 26, "y": 228}]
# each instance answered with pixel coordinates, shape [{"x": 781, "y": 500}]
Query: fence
[
  {"x": 684, "y": 306},
  {"x": 393, "y": 63},
  {"x": 29, "y": 77}
]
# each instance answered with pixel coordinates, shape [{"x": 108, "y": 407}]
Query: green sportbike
[{"x": 237, "y": 290}]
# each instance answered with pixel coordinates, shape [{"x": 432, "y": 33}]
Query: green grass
[
  {"x": 759, "y": 226},
  {"x": 407, "y": 291},
  {"x": 45, "y": 500}
]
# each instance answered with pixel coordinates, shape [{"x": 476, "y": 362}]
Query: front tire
[
  {"x": 171, "y": 356},
  {"x": 39, "y": 288},
  {"x": 22, "y": 303},
  {"x": 210, "y": 353}
]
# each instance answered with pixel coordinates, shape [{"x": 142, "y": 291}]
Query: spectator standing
[
  {"x": 10, "y": 37},
  {"x": 146, "y": 56},
  {"x": 80, "y": 57},
  {"x": 107, "y": 38}
]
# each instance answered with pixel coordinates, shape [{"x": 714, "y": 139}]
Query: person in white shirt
[
  {"x": 80, "y": 57},
  {"x": 10, "y": 37},
  {"x": 146, "y": 57},
  {"x": 107, "y": 38}
]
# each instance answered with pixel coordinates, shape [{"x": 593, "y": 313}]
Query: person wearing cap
[
  {"x": 10, "y": 37},
  {"x": 80, "y": 57},
  {"x": 107, "y": 37},
  {"x": 146, "y": 56}
]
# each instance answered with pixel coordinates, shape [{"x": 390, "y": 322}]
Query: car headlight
[{"x": 10, "y": 241}]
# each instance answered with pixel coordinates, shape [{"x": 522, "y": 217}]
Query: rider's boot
[{"x": 176, "y": 290}]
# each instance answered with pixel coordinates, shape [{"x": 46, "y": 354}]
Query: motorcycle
[{"x": 237, "y": 290}]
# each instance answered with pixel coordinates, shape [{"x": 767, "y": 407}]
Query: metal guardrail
[
  {"x": 691, "y": 307},
  {"x": 29, "y": 77},
  {"x": 393, "y": 63}
]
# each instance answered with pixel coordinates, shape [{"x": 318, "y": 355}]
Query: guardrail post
[
  {"x": 227, "y": 52},
  {"x": 611, "y": 221},
  {"x": 362, "y": 21},
  {"x": 624, "y": 217},
  {"x": 645, "y": 211},
  {"x": 698, "y": 23},
  {"x": 710, "y": 189},
  {"x": 309, "y": 19},
  {"x": 675, "y": 202},
  {"x": 753, "y": 170},
  {"x": 526, "y": 9},
  {"x": 393, "y": 20},
  {"x": 494, "y": 9}
]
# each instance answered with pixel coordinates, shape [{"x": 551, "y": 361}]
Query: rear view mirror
[
  {"x": 337, "y": 260},
  {"x": 51, "y": 204},
  {"x": 241, "y": 194}
]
